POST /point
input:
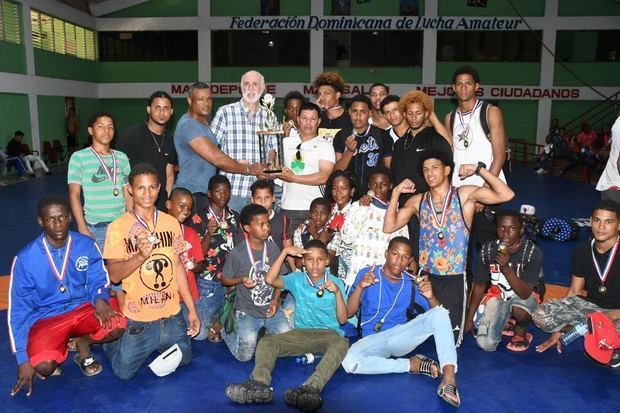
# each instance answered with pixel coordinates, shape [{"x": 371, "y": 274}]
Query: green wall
[
  {"x": 589, "y": 8},
  {"x": 595, "y": 74},
  {"x": 494, "y": 73},
  {"x": 112, "y": 72},
  {"x": 379, "y": 74},
  {"x": 13, "y": 58},
  {"x": 51, "y": 118},
  {"x": 128, "y": 112},
  {"x": 372, "y": 8},
  {"x": 64, "y": 67},
  {"x": 15, "y": 115},
  {"x": 494, "y": 8},
  {"x": 160, "y": 8},
  {"x": 252, "y": 7},
  {"x": 84, "y": 108},
  {"x": 567, "y": 110},
  {"x": 272, "y": 74}
]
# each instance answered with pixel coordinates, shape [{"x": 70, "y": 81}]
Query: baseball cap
[
  {"x": 167, "y": 362},
  {"x": 602, "y": 338}
]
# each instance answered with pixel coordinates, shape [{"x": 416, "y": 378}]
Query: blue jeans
[
  {"x": 208, "y": 305},
  {"x": 371, "y": 355},
  {"x": 237, "y": 203},
  {"x": 243, "y": 340},
  {"x": 495, "y": 315},
  {"x": 141, "y": 339},
  {"x": 99, "y": 229}
]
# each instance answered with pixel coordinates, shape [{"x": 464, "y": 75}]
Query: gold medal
[
  {"x": 440, "y": 235},
  {"x": 115, "y": 192},
  {"x": 370, "y": 193},
  {"x": 320, "y": 293},
  {"x": 602, "y": 289},
  {"x": 152, "y": 238},
  {"x": 62, "y": 288},
  {"x": 224, "y": 226},
  {"x": 502, "y": 247},
  {"x": 149, "y": 266},
  {"x": 418, "y": 279}
]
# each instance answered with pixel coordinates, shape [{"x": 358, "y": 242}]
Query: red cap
[{"x": 602, "y": 339}]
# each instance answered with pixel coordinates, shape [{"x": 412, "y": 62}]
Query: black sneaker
[
  {"x": 251, "y": 391},
  {"x": 305, "y": 398},
  {"x": 615, "y": 360}
]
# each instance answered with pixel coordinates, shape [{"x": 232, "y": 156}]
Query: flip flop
[
  {"x": 214, "y": 334},
  {"x": 523, "y": 341},
  {"x": 87, "y": 362},
  {"x": 449, "y": 390},
  {"x": 426, "y": 366},
  {"x": 509, "y": 328}
]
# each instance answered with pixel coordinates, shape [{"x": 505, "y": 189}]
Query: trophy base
[{"x": 272, "y": 171}]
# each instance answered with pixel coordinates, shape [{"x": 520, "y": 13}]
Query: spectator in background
[
  {"x": 15, "y": 148},
  {"x": 609, "y": 183},
  {"x": 72, "y": 127}
]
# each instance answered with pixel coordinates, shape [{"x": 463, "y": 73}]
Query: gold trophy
[{"x": 270, "y": 139}]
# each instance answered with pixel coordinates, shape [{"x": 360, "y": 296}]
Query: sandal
[
  {"x": 426, "y": 366},
  {"x": 509, "y": 328},
  {"x": 520, "y": 343},
  {"x": 89, "y": 365},
  {"x": 214, "y": 335},
  {"x": 449, "y": 390}
]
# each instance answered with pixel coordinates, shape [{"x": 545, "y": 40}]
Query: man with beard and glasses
[{"x": 235, "y": 126}]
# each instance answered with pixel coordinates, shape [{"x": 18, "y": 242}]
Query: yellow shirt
[{"x": 151, "y": 291}]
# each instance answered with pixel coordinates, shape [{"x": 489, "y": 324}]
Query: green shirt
[{"x": 100, "y": 204}]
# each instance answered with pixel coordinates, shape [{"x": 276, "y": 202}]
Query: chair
[
  {"x": 48, "y": 152},
  {"x": 26, "y": 150},
  {"x": 59, "y": 149}
]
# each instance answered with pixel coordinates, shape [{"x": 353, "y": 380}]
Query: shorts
[{"x": 48, "y": 337}]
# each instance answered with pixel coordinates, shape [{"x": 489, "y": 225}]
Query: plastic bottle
[
  {"x": 579, "y": 330},
  {"x": 309, "y": 358}
]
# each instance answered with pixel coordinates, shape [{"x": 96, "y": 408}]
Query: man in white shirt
[
  {"x": 309, "y": 160},
  {"x": 609, "y": 183}
]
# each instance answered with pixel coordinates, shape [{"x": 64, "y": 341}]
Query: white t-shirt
[
  {"x": 297, "y": 197},
  {"x": 610, "y": 176},
  {"x": 478, "y": 149}
]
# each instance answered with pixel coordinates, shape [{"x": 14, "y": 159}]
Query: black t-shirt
[
  {"x": 280, "y": 229},
  {"x": 527, "y": 263},
  {"x": 140, "y": 145},
  {"x": 328, "y": 128},
  {"x": 13, "y": 148},
  {"x": 583, "y": 267},
  {"x": 375, "y": 145},
  {"x": 407, "y": 152}
]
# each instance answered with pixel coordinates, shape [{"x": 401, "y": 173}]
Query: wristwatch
[{"x": 480, "y": 166}]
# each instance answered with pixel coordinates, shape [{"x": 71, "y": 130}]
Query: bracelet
[{"x": 479, "y": 167}]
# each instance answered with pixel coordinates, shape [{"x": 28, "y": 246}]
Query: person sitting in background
[{"x": 15, "y": 149}]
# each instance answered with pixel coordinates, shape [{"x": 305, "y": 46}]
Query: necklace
[
  {"x": 163, "y": 138},
  {"x": 463, "y": 137},
  {"x": 408, "y": 142}
]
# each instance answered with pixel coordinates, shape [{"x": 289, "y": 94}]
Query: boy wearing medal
[
  {"x": 100, "y": 174},
  {"x": 596, "y": 269},
  {"x": 446, "y": 215},
  {"x": 257, "y": 304},
  {"x": 218, "y": 228},
  {"x": 142, "y": 251},
  {"x": 320, "y": 310},
  {"x": 58, "y": 290}
]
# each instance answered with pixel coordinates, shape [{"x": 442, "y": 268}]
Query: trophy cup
[{"x": 270, "y": 139}]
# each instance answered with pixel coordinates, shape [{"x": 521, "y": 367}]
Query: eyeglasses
[{"x": 298, "y": 153}]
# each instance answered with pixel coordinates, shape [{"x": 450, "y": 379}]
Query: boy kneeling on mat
[
  {"x": 320, "y": 309},
  {"x": 382, "y": 294}
]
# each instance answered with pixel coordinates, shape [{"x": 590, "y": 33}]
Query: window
[
  {"x": 409, "y": 7},
  {"x": 261, "y": 48},
  {"x": 587, "y": 45},
  {"x": 9, "y": 22},
  {"x": 58, "y": 36},
  {"x": 488, "y": 46},
  {"x": 269, "y": 7},
  {"x": 388, "y": 48},
  {"x": 341, "y": 7},
  {"x": 148, "y": 46}
]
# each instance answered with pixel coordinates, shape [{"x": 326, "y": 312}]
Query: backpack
[
  {"x": 560, "y": 230},
  {"x": 483, "y": 119}
]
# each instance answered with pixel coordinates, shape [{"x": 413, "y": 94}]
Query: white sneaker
[{"x": 539, "y": 171}]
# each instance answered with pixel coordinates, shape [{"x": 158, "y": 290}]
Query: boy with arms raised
[{"x": 320, "y": 309}]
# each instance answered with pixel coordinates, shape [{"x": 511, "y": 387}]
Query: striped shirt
[
  {"x": 235, "y": 130},
  {"x": 100, "y": 204}
]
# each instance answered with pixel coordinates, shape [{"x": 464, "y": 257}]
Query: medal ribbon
[
  {"x": 325, "y": 278},
  {"x": 251, "y": 255},
  {"x": 379, "y": 203},
  {"x": 471, "y": 115},
  {"x": 217, "y": 219},
  {"x": 144, "y": 224},
  {"x": 446, "y": 202},
  {"x": 59, "y": 275},
  {"x": 608, "y": 264},
  {"x": 110, "y": 174}
]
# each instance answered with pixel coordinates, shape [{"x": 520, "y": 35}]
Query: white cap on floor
[{"x": 167, "y": 362}]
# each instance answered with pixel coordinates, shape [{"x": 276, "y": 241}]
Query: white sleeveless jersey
[{"x": 471, "y": 146}]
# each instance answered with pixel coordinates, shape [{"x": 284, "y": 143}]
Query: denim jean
[
  {"x": 98, "y": 230},
  {"x": 237, "y": 203},
  {"x": 372, "y": 354},
  {"x": 242, "y": 341},
  {"x": 288, "y": 306},
  {"x": 208, "y": 305},
  {"x": 141, "y": 339},
  {"x": 495, "y": 315}
]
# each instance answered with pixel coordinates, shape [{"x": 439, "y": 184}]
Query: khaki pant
[{"x": 298, "y": 342}]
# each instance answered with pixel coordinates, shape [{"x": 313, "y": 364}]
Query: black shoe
[
  {"x": 32, "y": 175},
  {"x": 49, "y": 173},
  {"x": 615, "y": 360},
  {"x": 305, "y": 398},
  {"x": 251, "y": 391}
]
